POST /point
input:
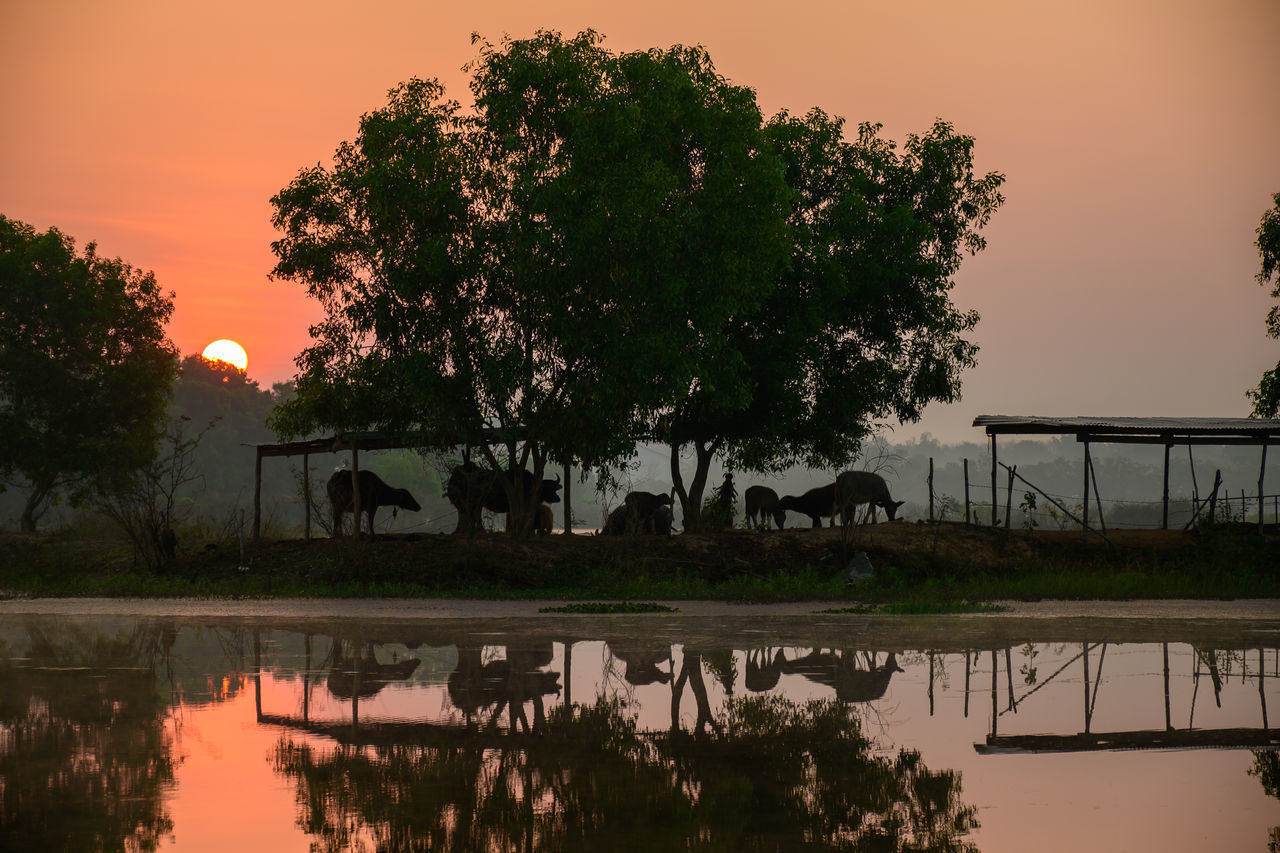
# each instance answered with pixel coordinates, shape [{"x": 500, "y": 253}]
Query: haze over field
[{"x": 1138, "y": 140}]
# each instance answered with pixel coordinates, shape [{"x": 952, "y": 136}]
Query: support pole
[
  {"x": 306, "y": 497},
  {"x": 1085, "y": 503},
  {"x": 355, "y": 492},
  {"x": 966, "y": 491},
  {"x": 994, "y": 520},
  {"x": 568, "y": 503},
  {"x": 1213, "y": 496},
  {"x": 1008, "y": 500},
  {"x": 931, "y": 486},
  {"x": 1262, "y": 470},
  {"x": 257, "y": 494},
  {"x": 1164, "y": 512}
]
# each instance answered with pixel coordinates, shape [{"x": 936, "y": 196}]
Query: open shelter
[{"x": 1169, "y": 432}]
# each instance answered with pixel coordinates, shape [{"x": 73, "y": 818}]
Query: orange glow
[{"x": 228, "y": 351}]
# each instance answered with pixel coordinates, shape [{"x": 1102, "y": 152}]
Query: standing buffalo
[
  {"x": 762, "y": 501},
  {"x": 471, "y": 489},
  {"x": 373, "y": 494},
  {"x": 816, "y": 503},
  {"x": 854, "y": 488}
]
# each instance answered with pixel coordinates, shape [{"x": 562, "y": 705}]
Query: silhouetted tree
[
  {"x": 859, "y": 326},
  {"x": 560, "y": 261},
  {"x": 1266, "y": 397},
  {"x": 85, "y": 367}
]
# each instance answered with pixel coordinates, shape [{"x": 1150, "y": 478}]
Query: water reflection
[{"x": 603, "y": 734}]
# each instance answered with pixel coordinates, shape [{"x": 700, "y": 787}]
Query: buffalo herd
[{"x": 473, "y": 489}]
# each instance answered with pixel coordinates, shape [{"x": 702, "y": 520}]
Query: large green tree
[
  {"x": 555, "y": 264},
  {"x": 85, "y": 367},
  {"x": 859, "y": 327},
  {"x": 1266, "y": 397}
]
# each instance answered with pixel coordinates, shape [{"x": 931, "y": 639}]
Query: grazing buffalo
[
  {"x": 854, "y": 488},
  {"x": 816, "y": 503},
  {"x": 762, "y": 501},
  {"x": 471, "y": 489},
  {"x": 373, "y": 494}
]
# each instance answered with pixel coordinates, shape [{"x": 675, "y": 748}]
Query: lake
[{"x": 332, "y": 726}]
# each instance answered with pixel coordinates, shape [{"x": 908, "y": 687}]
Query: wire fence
[{"x": 1020, "y": 503}]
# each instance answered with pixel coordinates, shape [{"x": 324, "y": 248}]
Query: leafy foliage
[
  {"x": 557, "y": 262},
  {"x": 1266, "y": 397},
  {"x": 85, "y": 367}
]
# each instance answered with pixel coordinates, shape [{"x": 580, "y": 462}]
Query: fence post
[
  {"x": 1008, "y": 500},
  {"x": 931, "y": 483},
  {"x": 966, "y": 492}
]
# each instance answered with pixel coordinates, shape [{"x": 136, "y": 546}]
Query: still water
[{"x": 659, "y": 732}]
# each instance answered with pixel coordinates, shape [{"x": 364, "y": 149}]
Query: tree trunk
[
  {"x": 691, "y": 499},
  {"x": 36, "y": 506}
]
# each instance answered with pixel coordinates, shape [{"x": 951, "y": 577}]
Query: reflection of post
[
  {"x": 995, "y": 711},
  {"x": 257, "y": 674},
  {"x": 1262, "y": 696},
  {"x": 966, "y": 683},
  {"x": 930, "y": 682},
  {"x": 568, "y": 671},
  {"x": 1168, "y": 720},
  {"x": 1008, "y": 670},
  {"x": 306, "y": 680},
  {"x": 1087, "y": 716},
  {"x": 355, "y": 690}
]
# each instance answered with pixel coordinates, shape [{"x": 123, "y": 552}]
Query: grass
[{"x": 926, "y": 570}]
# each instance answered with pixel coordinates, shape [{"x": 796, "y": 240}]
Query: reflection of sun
[{"x": 228, "y": 351}]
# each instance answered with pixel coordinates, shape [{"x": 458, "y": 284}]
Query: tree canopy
[
  {"x": 85, "y": 366},
  {"x": 557, "y": 261},
  {"x": 617, "y": 246},
  {"x": 1266, "y": 397}
]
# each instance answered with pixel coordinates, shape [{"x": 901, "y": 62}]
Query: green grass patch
[{"x": 609, "y": 607}]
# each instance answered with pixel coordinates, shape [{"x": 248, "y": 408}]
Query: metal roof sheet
[{"x": 1154, "y": 427}]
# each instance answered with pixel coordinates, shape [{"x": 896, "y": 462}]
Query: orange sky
[{"x": 1141, "y": 140}]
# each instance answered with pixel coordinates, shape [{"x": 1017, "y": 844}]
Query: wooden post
[
  {"x": 966, "y": 491},
  {"x": 257, "y": 494},
  {"x": 1097, "y": 498},
  {"x": 355, "y": 491},
  {"x": 1085, "y": 523},
  {"x": 568, "y": 504},
  {"x": 931, "y": 485},
  {"x": 994, "y": 499},
  {"x": 1262, "y": 470},
  {"x": 306, "y": 497},
  {"x": 1164, "y": 513},
  {"x": 1008, "y": 500}
]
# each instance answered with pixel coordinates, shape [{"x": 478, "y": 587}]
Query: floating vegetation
[{"x": 610, "y": 607}]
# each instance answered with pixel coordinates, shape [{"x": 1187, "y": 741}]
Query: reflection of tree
[
  {"x": 771, "y": 774},
  {"x": 85, "y": 759}
]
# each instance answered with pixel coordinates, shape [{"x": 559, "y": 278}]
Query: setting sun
[{"x": 228, "y": 351}]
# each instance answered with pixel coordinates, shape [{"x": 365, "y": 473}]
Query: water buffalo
[
  {"x": 373, "y": 494},
  {"x": 816, "y": 503},
  {"x": 471, "y": 489},
  {"x": 854, "y": 488},
  {"x": 641, "y": 512},
  {"x": 762, "y": 501}
]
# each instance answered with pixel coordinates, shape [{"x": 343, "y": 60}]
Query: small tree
[
  {"x": 1266, "y": 397},
  {"x": 85, "y": 367},
  {"x": 145, "y": 504}
]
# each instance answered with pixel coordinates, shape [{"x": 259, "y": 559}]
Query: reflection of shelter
[
  {"x": 1088, "y": 740},
  {"x": 1166, "y": 432},
  {"x": 642, "y": 660},
  {"x": 481, "y": 689}
]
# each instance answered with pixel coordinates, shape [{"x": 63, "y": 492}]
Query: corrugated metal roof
[{"x": 1153, "y": 427}]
